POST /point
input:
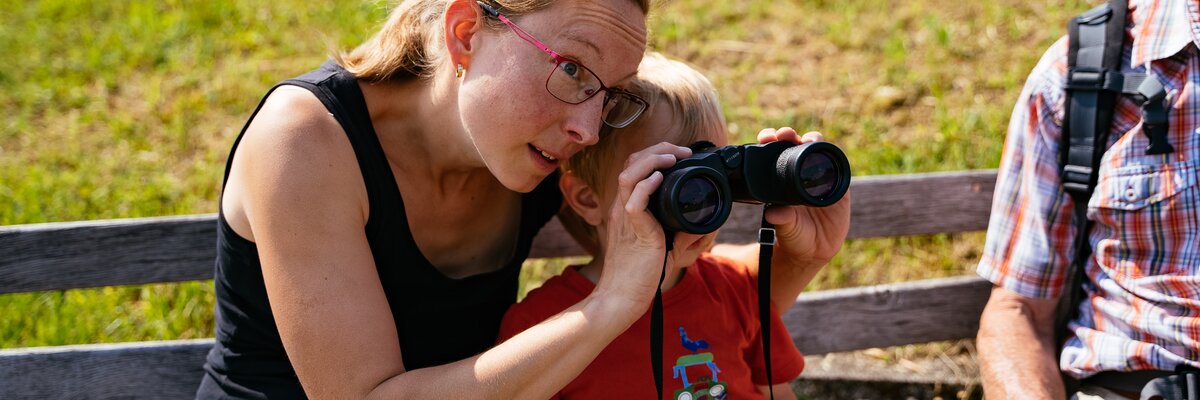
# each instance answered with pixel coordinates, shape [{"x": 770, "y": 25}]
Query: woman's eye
[{"x": 570, "y": 68}]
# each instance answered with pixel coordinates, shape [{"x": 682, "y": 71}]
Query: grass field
[{"x": 128, "y": 109}]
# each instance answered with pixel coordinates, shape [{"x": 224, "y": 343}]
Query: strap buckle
[
  {"x": 1077, "y": 179},
  {"x": 1102, "y": 80},
  {"x": 766, "y": 237}
]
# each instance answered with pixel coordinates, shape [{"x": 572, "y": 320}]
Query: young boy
[{"x": 711, "y": 346}]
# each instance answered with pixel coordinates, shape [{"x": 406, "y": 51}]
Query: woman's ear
[
  {"x": 464, "y": 19},
  {"x": 581, "y": 198}
]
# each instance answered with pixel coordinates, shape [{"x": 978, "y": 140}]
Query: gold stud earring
[{"x": 459, "y": 72}]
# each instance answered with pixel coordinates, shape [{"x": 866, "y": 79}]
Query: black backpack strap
[{"x": 1094, "y": 80}]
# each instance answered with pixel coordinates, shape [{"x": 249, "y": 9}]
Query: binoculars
[{"x": 698, "y": 192}]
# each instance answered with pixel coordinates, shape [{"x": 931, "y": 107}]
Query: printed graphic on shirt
[{"x": 706, "y": 385}]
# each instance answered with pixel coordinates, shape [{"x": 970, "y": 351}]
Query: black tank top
[{"x": 439, "y": 319}]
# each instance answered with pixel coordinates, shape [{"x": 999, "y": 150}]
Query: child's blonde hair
[
  {"x": 678, "y": 89},
  {"x": 675, "y": 87}
]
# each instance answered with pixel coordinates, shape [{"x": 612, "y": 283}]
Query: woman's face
[{"x": 519, "y": 129}]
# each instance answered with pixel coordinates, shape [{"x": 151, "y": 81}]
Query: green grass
[{"x": 128, "y": 109}]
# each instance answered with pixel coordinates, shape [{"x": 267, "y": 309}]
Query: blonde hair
[
  {"x": 680, "y": 90},
  {"x": 409, "y": 43}
]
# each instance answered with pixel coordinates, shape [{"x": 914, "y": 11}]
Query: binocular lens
[
  {"x": 818, "y": 175},
  {"x": 698, "y": 200}
]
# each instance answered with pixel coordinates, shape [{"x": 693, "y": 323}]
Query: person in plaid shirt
[{"x": 1141, "y": 307}]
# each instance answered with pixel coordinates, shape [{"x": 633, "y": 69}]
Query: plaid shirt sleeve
[{"x": 1031, "y": 228}]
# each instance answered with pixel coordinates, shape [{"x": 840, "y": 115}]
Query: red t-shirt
[{"x": 715, "y": 305}]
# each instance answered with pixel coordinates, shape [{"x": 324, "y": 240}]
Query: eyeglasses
[{"x": 573, "y": 83}]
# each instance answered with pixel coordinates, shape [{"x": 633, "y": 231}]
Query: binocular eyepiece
[{"x": 698, "y": 192}]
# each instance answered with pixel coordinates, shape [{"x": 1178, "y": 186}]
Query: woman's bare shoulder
[
  {"x": 295, "y": 153},
  {"x": 294, "y": 119}
]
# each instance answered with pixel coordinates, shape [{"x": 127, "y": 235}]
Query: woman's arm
[
  {"x": 537, "y": 363},
  {"x": 297, "y": 183},
  {"x": 295, "y": 190}
]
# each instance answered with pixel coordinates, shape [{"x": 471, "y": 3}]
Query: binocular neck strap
[
  {"x": 766, "y": 242},
  {"x": 656, "y": 320}
]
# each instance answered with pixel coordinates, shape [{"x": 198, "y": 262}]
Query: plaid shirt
[{"x": 1142, "y": 305}]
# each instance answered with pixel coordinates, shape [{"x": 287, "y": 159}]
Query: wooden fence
[{"x": 69, "y": 255}]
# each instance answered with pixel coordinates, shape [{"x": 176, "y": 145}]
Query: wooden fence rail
[{"x": 59, "y": 256}]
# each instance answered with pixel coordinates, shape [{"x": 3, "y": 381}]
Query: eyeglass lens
[{"x": 573, "y": 83}]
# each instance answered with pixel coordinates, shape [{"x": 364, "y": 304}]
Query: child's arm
[
  {"x": 783, "y": 391},
  {"x": 786, "y": 282},
  {"x": 807, "y": 237}
]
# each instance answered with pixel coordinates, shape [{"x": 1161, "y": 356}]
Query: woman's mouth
[{"x": 543, "y": 158}]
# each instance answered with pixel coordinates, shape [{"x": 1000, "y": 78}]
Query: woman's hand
[
  {"x": 808, "y": 237},
  {"x": 635, "y": 245}
]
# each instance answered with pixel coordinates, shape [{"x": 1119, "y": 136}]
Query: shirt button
[{"x": 1131, "y": 192}]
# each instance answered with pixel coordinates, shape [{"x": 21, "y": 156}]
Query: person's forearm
[
  {"x": 1016, "y": 352},
  {"x": 534, "y": 364},
  {"x": 789, "y": 273},
  {"x": 783, "y": 391},
  {"x": 789, "y": 276}
]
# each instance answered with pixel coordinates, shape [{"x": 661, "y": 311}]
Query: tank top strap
[{"x": 338, "y": 90}]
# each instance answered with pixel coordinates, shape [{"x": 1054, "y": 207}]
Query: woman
[{"x": 376, "y": 211}]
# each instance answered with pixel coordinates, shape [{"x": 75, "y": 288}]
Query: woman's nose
[{"x": 584, "y": 121}]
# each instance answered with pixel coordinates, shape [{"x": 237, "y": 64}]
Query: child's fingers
[
  {"x": 787, "y": 134},
  {"x": 812, "y": 136},
  {"x": 766, "y": 135},
  {"x": 780, "y": 215},
  {"x": 775, "y": 135}
]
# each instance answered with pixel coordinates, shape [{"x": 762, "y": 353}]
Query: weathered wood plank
[
  {"x": 897, "y": 205},
  {"x": 886, "y": 205},
  {"x": 104, "y": 253},
  {"x": 887, "y": 315},
  {"x": 170, "y": 249},
  {"x": 919, "y": 204},
  {"x": 167, "y": 370},
  {"x": 820, "y": 322}
]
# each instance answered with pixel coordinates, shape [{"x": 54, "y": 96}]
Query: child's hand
[
  {"x": 811, "y": 235},
  {"x": 636, "y": 246}
]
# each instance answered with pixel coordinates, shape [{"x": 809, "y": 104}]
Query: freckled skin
[{"x": 510, "y": 79}]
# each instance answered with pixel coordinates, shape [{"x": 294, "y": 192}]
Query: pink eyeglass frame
[{"x": 609, "y": 92}]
